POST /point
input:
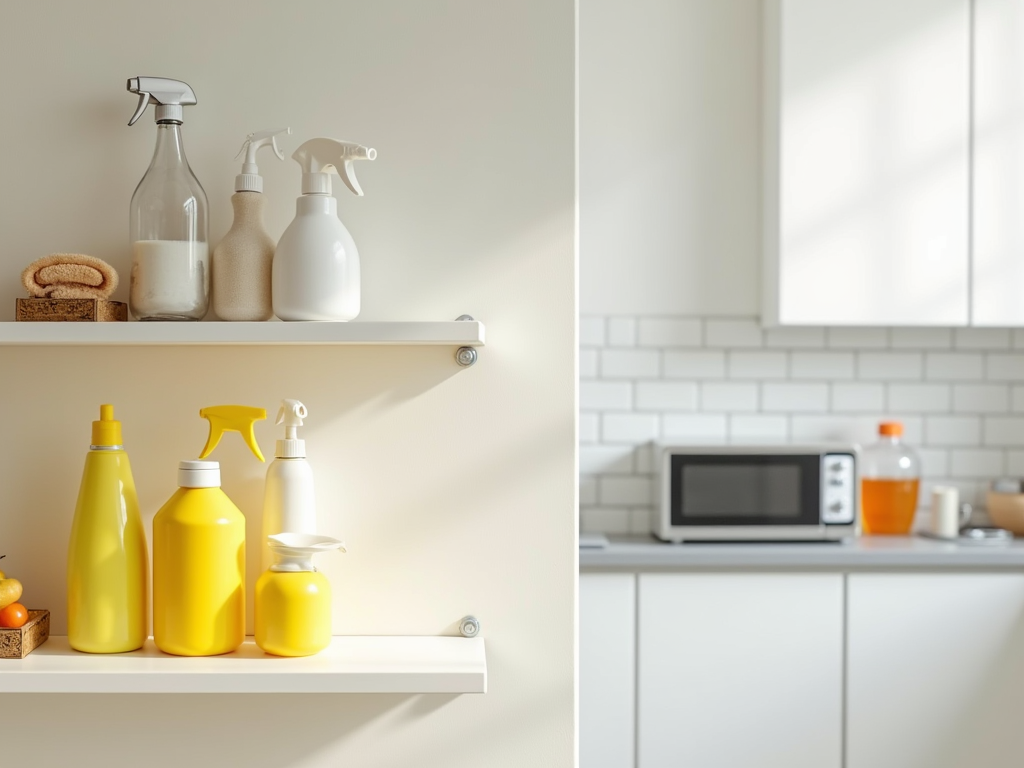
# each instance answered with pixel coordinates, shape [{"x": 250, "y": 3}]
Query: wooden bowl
[
  {"x": 1006, "y": 510},
  {"x": 19, "y": 643}
]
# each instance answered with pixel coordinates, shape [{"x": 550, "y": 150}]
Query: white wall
[
  {"x": 433, "y": 475},
  {"x": 670, "y": 137}
]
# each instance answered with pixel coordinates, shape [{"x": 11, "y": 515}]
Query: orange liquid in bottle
[{"x": 888, "y": 506}]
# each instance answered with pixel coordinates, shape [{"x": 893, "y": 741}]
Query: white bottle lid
[
  {"x": 199, "y": 474},
  {"x": 290, "y": 449}
]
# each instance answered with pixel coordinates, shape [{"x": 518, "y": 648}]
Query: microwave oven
[{"x": 756, "y": 493}]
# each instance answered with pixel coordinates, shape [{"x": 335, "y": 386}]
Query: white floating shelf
[
  {"x": 456, "y": 333},
  {"x": 349, "y": 665}
]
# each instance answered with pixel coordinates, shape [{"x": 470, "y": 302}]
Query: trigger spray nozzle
[
  {"x": 232, "y": 418},
  {"x": 168, "y": 95},
  {"x": 249, "y": 179},
  {"x": 291, "y": 415},
  {"x": 318, "y": 157}
]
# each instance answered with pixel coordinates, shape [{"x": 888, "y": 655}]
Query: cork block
[
  {"x": 19, "y": 643},
  {"x": 71, "y": 310}
]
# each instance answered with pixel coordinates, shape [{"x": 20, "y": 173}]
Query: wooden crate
[
  {"x": 19, "y": 643},
  {"x": 71, "y": 310}
]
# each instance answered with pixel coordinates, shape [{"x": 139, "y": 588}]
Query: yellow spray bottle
[
  {"x": 199, "y": 551},
  {"x": 107, "y": 557}
]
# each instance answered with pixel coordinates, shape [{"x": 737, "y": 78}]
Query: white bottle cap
[
  {"x": 199, "y": 474},
  {"x": 290, "y": 449}
]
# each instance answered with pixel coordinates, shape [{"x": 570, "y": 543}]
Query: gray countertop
[{"x": 865, "y": 553}]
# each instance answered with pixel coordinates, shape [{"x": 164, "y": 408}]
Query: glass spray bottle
[{"x": 170, "y": 277}]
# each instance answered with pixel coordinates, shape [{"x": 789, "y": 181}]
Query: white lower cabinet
[
  {"x": 935, "y": 671},
  {"x": 607, "y": 670},
  {"x": 739, "y": 670}
]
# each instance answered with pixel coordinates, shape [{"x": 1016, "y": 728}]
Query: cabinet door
[
  {"x": 740, "y": 671},
  {"x": 935, "y": 673},
  {"x": 867, "y": 129},
  {"x": 998, "y": 253},
  {"x": 607, "y": 679}
]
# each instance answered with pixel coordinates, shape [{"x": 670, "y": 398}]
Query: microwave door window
[{"x": 749, "y": 491}]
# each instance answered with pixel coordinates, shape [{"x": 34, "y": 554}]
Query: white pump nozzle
[
  {"x": 249, "y": 179},
  {"x": 291, "y": 415},
  {"x": 318, "y": 157},
  {"x": 168, "y": 95}
]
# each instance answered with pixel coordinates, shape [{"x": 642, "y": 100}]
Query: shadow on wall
[{"x": 268, "y": 731}]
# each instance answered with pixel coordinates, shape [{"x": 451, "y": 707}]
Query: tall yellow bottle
[
  {"x": 199, "y": 552},
  {"x": 107, "y": 557}
]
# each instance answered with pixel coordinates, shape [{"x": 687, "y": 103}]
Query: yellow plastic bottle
[
  {"x": 107, "y": 556},
  {"x": 293, "y": 600},
  {"x": 199, "y": 553}
]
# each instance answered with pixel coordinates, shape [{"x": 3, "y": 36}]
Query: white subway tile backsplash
[
  {"x": 621, "y": 332},
  {"x": 794, "y": 398},
  {"x": 1015, "y": 463},
  {"x": 606, "y": 459},
  {"x": 920, "y": 398},
  {"x": 733, "y": 333},
  {"x": 728, "y": 397},
  {"x": 691, "y": 380},
  {"x": 952, "y": 430},
  {"x": 666, "y": 396},
  {"x": 629, "y": 428},
  {"x": 834, "y": 429},
  {"x": 981, "y": 338},
  {"x": 934, "y": 461},
  {"x": 588, "y": 363},
  {"x": 921, "y": 338},
  {"x": 956, "y": 366},
  {"x": 858, "y": 338},
  {"x": 604, "y": 520},
  {"x": 631, "y": 491},
  {"x": 606, "y": 395},
  {"x": 1004, "y": 430},
  {"x": 758, "y": 429},
  {"x": 821, "y": 365},
  {"x": 694, "y": 365},
  {"x": 981, "y": 398},
  {"x": 592, "y": 331},
  {"x": 630, "y": 363},
  {"x": 711, "y": 428},
  {"x": 977, "y": 463},
  {"x": 1007, "y": 367},
  {"x": 890, "y": 365},
  {"x": 757, "y": 365},
  {"x": 858, "y": 398},
  {"x": 669, "y": 332},
  {"x": 640, "y": 520},
  {"x": 793, "y": 338}
]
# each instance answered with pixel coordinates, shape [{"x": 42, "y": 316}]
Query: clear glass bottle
[
  {"x": 170, "y": 278},
  {"x": 890, "y": 477}
]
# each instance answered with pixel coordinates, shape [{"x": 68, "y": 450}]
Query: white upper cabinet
[
  {"x": 998, "y": 253},
  {"x": 867, "y": 161}
]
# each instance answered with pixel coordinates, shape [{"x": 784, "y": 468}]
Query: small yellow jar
[{"x": 293, "y": 600}]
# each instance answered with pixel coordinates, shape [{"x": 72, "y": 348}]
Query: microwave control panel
[{"x": 839, "y": 489}]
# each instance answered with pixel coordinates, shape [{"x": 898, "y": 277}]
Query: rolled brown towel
[{"x": 69, "y": 276}]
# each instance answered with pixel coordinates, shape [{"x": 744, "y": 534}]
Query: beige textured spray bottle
[{"x": 242, "y": 261}]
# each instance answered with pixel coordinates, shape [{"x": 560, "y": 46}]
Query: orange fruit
[{"x": 13, "y": 616}]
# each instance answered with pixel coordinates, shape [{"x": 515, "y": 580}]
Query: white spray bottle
[
  {"x": 242, "y": 260},
  {"x": 316, "y": 265},
  {"x": 289, "y": 504}
]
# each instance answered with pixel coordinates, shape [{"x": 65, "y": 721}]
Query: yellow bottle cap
[{"x": 106, "y": 431}]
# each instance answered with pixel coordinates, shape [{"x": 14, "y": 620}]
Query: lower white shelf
[{"x": 349, "y": 665}]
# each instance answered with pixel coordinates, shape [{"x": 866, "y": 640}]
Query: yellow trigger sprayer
[
  {"x": 199, "y": 550},
  {"x": 232, "y": 418}
]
